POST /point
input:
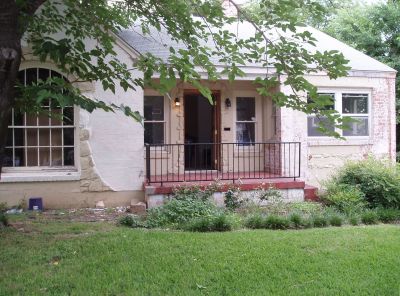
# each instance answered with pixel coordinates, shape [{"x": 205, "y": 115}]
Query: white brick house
[{"x": 102, "y": 156}]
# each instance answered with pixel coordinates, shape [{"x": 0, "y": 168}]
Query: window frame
[
  {"x": 46, "y": 169},
  {"x": 150, "y": 93},
  {"x": 338, "y": 104},
  {"x": 255, "y": 121}
]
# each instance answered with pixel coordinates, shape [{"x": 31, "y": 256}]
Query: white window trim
[
  {"x": 351, "y": 140},
  {"x": 257, "y": 122},
  {"x": 47, "y": 173},
  {"x": 167, "y": 112}
]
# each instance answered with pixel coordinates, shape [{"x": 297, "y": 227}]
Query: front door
[{"x": 201, "y": 132}]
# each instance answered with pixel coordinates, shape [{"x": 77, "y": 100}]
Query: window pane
[
  {"x": 19, "y": 137},
  {"x": 32, "y": 136},
  {"x": 19, "y": 159},
  {"x": 56, "y": 137},
  {"x": 31, "y": 120},
  {"x": 18, "y": 119},
  {"x": 69, "y": 156},
  {"x": 31, "y": 76},
  {"x": 154, "y": 133},
  {"x": 359, "y": 128},
  {"x": 9, "y": 137},
  {"x": 68, "y": 137},
  {"x": 56, "y": 159},
  {"x": 44, "y": 156},
  {"x": 44, "y": 137},
  {"x": 245, "y": 109},
  {"x": 355, "y": 103},
  {"x": 57, "y": 117},
  {"x": 8, "y": 157},
  {"x": 32, "y": 154},
  {"x": 313, "y": 124},
  {"x": 44, "y": 74},
  {"x": 245, "y": 132},
  {"x": 154, "y": 108},
  {"x": 68, "y": 118},
  {"x": 327, "y": 96}
]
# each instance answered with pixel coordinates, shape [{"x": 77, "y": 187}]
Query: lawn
[{"x": 98, "y": 258}]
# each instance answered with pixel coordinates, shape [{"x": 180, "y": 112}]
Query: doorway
[{"x": 201, "y": 131}]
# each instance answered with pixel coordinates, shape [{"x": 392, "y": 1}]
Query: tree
[
  {"x": 57, "y": 30},
  {"x": 374, "y": 30}
]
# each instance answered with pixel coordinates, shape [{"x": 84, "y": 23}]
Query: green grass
[{"x": 101, "y": 259}]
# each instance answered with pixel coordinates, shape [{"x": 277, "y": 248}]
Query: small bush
[
  {"x": 254, "y": 222},
  {"x": 232, "y": 198},
  {"x": 388, "y": 215},
  {"x": 336, "y": 220},
  {"x": 369, "y": 217},
  {"x": 354, "y": 220},
  {"x": 219, "y": 222},
  {"x": 180, "y": 211},
  {"x": 345, "y": 198},
  {"x": 296, "y": 220},
  {"x": 319, "y": 221},
  {"x": 3, "y": 207},
  {"x": 3, "y": 220},
  {"x": 131, "y": 221},
  {"x": 378, "y": 180},
  {"x": 276, "y": 222}
]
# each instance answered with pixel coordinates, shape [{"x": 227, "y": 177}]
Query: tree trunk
[{"x": 10, "y": 59}]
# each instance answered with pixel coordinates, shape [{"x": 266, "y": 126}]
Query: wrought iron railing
[{"x": 192, "y": 162}]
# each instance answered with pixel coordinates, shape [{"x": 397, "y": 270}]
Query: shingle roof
[{"x": 158, "y": 43}]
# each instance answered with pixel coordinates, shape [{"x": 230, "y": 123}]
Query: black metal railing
[{"x": 223, "y": 161}]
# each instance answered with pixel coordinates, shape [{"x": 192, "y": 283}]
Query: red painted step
[{"x": 310, "y": 193}]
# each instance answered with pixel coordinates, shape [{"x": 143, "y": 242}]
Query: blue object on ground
[{"x": 35, "y": 203}]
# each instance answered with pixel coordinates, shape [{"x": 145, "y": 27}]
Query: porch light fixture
[
  {"x": 228, "y": 103},
  {"x": 177, "y": 102}
]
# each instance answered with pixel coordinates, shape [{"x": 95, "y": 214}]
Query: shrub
[
  {"x": 345, "y": 198},
  {"x": 354, "y": 220},
  {"x": 388, "y": 215},
  {"x": 297, "y": 220},
  {"x": 369, "y": 217},
  {"x": 232, "y": 198},
  {"x": 254, "y": 222},
  {"x": 276, "y": 222},
  {"x": 379, "y": 181},
  {"x": 336, "y": 220},
  {"x": 3, "y": 207},
  {"x": 131, "y": 221},
  {"x": 180, "y": 211},
  {"x": 219, "y": 222},
  {"x": 3, "y": 220},
  {"x": 319, "y": 221}
]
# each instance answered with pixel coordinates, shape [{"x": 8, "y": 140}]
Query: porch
[{"x": 205, "y": 162}]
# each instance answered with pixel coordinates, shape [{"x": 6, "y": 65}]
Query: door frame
[{"x": 216, "y": 94}]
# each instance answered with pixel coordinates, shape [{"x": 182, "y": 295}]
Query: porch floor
[{"x": 245, "y": 181}]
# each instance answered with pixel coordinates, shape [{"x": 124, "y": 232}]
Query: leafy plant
[
  {"x": 219, "y": 222},
  {"x": 388, "y": 215},
  {"x": 319, "y": 221},
  {"x": 354, "y": 220},
  {"x": 377, "y": 180},
  {"x": 255, "y": 221},
  {"x": 345, "y": 198},
  {"x": 131, "y": 221},
  {"x": 233, "y": 198},
  {"x": 3, "y": 207},
  {"x": 369, "y": 217},
  {"x": 276, "y": 222},
  {"x": 297, "y": 220},
  {"x": 336, "y": 220},
  {"x": 3, "y": 219}
]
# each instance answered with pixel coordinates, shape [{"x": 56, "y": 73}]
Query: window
[
  {"x": 313, "y": 121},
  {"x": 154, "y": 123},
  {"x": 348, "y": 104},
  {"x": 355, "y": 106},
  {"x": 41, "y": 140},
  {"x": 245, "y": 120}
]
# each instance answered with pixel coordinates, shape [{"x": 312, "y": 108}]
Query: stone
[
  {"x": 84, "y": 135},
  {"x": 100, "y": 205},
  {"x": 137, "y": 208},
  {"x": 85, "y": 149},
  {"x": 96, "y": 186}
]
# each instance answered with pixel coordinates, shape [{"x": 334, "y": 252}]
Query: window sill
[
  {"x": 39, "y": 176},
  {"x": 320, "y": 141}
]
